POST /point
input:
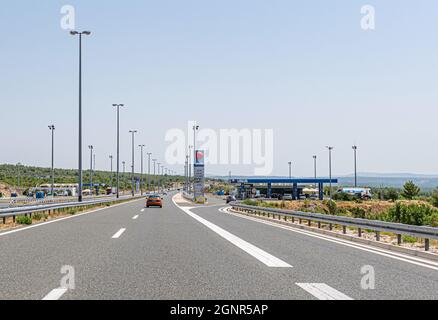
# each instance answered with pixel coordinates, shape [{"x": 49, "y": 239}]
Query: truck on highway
[{"x": 362, "y": 193}]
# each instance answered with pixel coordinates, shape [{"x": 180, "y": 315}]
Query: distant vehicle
[
  {"x": 362, "y": 193},
  {"x": 287, "y": 196},
  {"x": 40, "y": 195},
  {"x": 231, "y": 199},
  {"x": 154, "y": 201},
  {"x": 14, "y": 195}
]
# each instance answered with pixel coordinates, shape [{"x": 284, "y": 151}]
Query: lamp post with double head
[{"x": 80, "y": 34}]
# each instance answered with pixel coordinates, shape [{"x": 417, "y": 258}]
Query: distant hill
[{"x": 393, "y": 180}]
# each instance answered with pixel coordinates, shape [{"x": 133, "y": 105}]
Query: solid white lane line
[
  {"x": 142, "y": 210},
  {"x": 119, "y": 233},
  {"x": 390, "y": 254},
  {"x": 323, "y": 291},
  {"x": 135, "y": 217},
  {"x": 254, "y": 251},
  {"x": 55, "y": 294}
]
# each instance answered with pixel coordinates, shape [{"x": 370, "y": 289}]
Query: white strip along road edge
[
  {"x": 389, "y": 254},
  {"x": 55, "y": 294},
  {"x": 323, "y": 291},
  {"x": 254, "y": 251}
]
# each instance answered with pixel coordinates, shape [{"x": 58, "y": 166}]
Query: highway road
[{"x": 197, "y": 252}]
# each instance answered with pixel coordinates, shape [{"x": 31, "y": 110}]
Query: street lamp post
[
  {"x": 133, "y": 132},
  {"x": 290, "y": 169},
  {"x": 189, "y": 166},
  {"x": 155, "y": 181},
  {"x": 195, "y": 128},
  {"x": 355, "y": 165},
  {"x": 141, "y": 176},
  {"x": 111, "y": 177},
  {"x": 18, "y": 177},
  {"x": 91, "y": 168},
  {"x": 330, "y": 170},
  {"x": 159, "y": 176},
  {"x": 149, "y": 170},
  {"x": 52, "y": 129},
  {"x": 118, "y": 147},
  {"x": 74, "y": 33}
]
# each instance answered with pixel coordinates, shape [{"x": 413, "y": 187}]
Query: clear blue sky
[{"x": 304, "y": 68}]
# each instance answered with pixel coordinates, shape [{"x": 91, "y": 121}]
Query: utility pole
[
  {"x": 91, "y": 168},
  {"x": 355, "y": 165},
  {"x": 155, "y": 177},
  {"x": 159, "y": 176},
  {"x": 118, "y": 106},
  {"x": 195, "y": 128},
  {"x": 74, "y": 33},
  {"x": 133, "y": 132},
  {"x": 149, "y": 170},
  {"x": 290, "y": 169},
  {"x": 52, "y": 129},
  {"x": 18, "y": 177},
  {"x": 330, "y": 170},
  {"x": 141, "y": 166},
  {"x": 111, "y": 177}
]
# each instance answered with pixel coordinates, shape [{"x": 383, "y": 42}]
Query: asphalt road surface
[{"x": 198, "y": 252}]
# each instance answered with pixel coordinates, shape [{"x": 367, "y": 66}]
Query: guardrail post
[
  {"x": 13, "y": 219},
  {"x": 4, "y": 220},
  {"x": 309, "y": 223},
  {"x": 293, "y": 219},
  {"x": 319, "y": 225},
  {"x": 426, "y": 244},
  {"x": 344, "y": 229},
  {"x": 399, "y": 239},
  {"x": 377, "y": 235},
  {"x": 331, "y": 227},
  {"x": 359, "y": 232}
]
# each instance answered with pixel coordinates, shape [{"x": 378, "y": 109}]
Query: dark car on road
[{"x": 231, "y": 199}]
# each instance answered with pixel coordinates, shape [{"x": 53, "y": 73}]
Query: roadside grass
[{"x": 24, "y": 220}]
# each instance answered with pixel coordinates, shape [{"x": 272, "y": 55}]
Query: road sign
[{"x": 199, "y": 176}]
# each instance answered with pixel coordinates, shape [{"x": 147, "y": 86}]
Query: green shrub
[
  {"x": 414, "y": 214},
  {"x": 343, "y": 196},
  {"x": 391, "y": 194},
  {"x": 332, "y": 208},
  {"x": 250, "y": 202},
  {"x": 410, "y": 190},
  {"x": 24, "y": 220},
  {"x": 409, "y": 239},
  {"x": 38, "y": 216},
  {"x": 435, "y": 198},
  {"x": 433, "y": 220},
  {"x": 358, "y": 213}
]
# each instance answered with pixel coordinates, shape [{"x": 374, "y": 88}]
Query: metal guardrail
[
  {"x": 399, "y": 229},
  {"x": 19, "y": 211}
]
